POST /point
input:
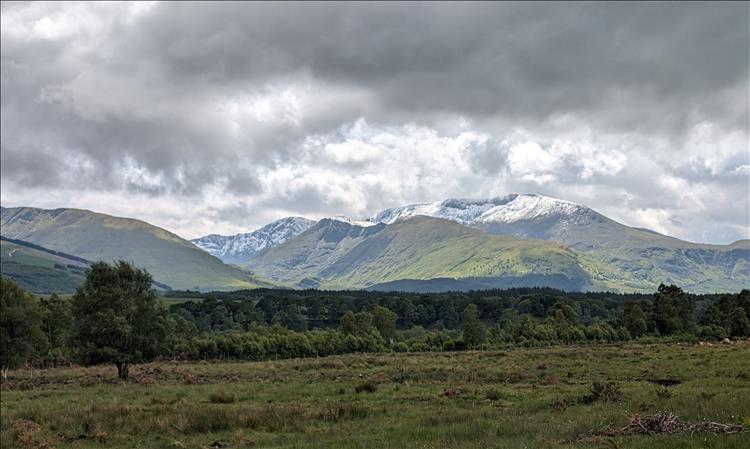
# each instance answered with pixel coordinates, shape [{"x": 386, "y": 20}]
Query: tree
[
  {"x": 672, "y": 310},
  {"x": 740, "y": 325},
  {"x": 21, "y": 336},
  {"x": 57, "y": 323},
  {"x": 385, "y": 321},
  {"x": 634, "y": 319},
  {"x": 474, "y": 331},
  {"x": 349, "y": 323},
  {"x": 117, "y": 318},
  {"x": 292, "y": 317}
]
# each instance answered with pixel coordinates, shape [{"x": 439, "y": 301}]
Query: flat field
[{"x": 516, "y": 398}]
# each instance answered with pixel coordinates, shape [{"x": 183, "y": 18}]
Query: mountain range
[{"x": 455, "y": 244}]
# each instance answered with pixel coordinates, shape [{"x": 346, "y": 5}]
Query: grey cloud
[{"x": 142, "y": 90}]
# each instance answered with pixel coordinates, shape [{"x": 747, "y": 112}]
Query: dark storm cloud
[
  {"x": 176, "y": 97},
  {"x": 484, "y": 59}
]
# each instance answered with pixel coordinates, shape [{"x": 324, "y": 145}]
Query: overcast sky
[{"x": 220, "y": 118}]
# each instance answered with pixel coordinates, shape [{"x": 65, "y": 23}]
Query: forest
[{"x": 117, "y": 317}]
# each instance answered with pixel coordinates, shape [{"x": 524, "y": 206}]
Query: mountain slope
[
  {"x": 337, "y": 254},
  {"x": 170, "y": 259},
  {"x": 40, "y": 270},
  {"x": 240, "y": 248},
  {"x": 635, "y": 258}
]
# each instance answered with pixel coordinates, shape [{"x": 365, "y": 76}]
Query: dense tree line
[
  {"x": 515, "y": 315},
  {"x": 115, "y": 317}
]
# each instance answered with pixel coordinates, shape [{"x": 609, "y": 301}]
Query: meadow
[{"x": 514, "y": 398}]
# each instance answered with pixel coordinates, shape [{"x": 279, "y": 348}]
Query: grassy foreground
[{"x": 519, "y": 398}]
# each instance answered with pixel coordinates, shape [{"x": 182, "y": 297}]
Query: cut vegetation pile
[{"x": 663, "y": 422}]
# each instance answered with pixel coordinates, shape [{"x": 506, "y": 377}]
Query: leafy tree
[
  {"x": 634, "y": 319},
  {"x": 474, "y": 331},
  {"x": 740, "y": 325},
  {"x": 21, "y": 336},
  {"x": 409, "y": 313},
  {"x": 385, "y": 321},
  {"x": 117, "y": 318},
  {"x": 220, "y": 320},
  {"x": 672, "y": 310},
  {"x": 292, "y": 317},
  {"x": 57, "y": 324},
  {"x": 349, "y": 323}
]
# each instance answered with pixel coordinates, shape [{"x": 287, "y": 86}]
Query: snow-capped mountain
[
  {"x": 347, "y": 220},
  {"x": 527, "y": 215},
  {"x": 240, "y": 248},
  {"x": 513, "y": 208}
]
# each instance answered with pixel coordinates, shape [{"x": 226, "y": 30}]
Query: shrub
[
  {"x": 401, "y": 347},
  {"x": 368, "y": 386},
  {"x": 221, "y": 398},
  {"x": 608, "y": 392},
  {"x": 493, "y": 394},
  {"x": 664, "y": 393}
]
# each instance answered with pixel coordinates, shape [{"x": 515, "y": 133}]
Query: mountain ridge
[{"x": 239, "y": 248}]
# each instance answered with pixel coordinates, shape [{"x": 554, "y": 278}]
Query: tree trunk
[
  {"x": 5, "y": 374},
  {"x": 122, "y": 370}
]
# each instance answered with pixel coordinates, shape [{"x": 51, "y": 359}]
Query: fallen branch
[{"x": 664, "y": 422}]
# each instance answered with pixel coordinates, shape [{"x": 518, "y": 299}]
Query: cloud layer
[{"x": 218, "y": 118}]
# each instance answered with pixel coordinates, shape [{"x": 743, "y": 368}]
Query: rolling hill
[{"x": 173, "y": 261}]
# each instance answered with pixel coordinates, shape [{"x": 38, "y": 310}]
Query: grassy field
[{"x": 519, "y": 398}]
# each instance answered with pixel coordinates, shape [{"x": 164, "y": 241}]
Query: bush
[
  {"x": 221, "y": 398},
  {"x": 664, "y": 393},
  {"x": 493, "y": 395},
  {"x": 401, "y": 347},
  {"x": 607, "y": 392},
  {"x": 368, "y": 386}
]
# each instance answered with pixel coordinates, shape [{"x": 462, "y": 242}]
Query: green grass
[{"x": 499, "y": 399}]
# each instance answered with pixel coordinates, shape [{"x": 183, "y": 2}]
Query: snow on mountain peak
[
  {"x": 507, "y": 209},
  {"x": 241, "y": 247},
  {"x": 347, "y": 220}
]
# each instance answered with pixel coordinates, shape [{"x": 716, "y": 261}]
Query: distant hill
[
  {"x": 340, "y": 254},
  {"x": 173, "y": 261}
]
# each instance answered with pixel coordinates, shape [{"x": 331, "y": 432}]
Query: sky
[{"x": 219, "y": 118}]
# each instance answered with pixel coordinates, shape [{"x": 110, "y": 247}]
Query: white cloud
[{"x": 562, "y": 159}]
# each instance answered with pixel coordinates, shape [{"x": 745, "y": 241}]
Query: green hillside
[
  {"x": 432, "y": 254},
  {"x": 334, "y": 254},
  {"x": 172, "y": 261},
  {"x": 634, "y": 259},
  {"x": 39, "y": 270}
]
